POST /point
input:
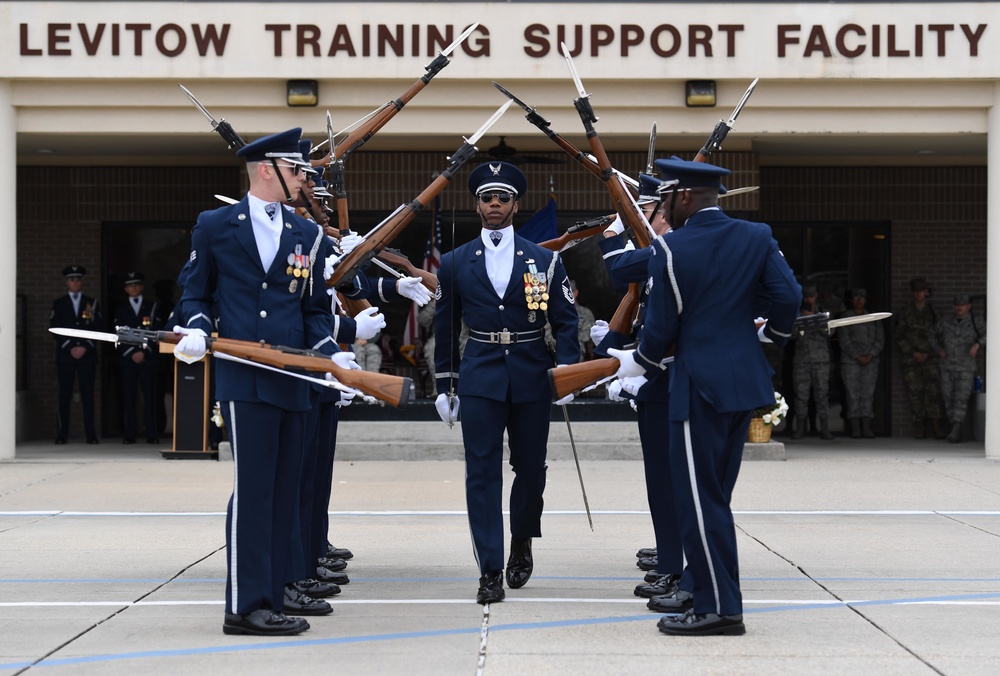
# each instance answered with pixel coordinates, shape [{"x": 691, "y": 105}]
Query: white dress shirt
[
  {"x": 499, "y": 258},
  {"x": 266, "y": 230}
]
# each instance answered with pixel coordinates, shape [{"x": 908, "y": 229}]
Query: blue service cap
[
  {"x": 498, "y": 175},
  {"x": 133, "y": 277},
  {"x": 74, "y": 271},
  {"x": 648, "y": 189},
  {"x": 281, "y": 146},
  {"x": 305, "y": 145},
  {"x": 678, "y": 174}
]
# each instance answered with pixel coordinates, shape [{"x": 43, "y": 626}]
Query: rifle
[
  {"x": 573, "y": 377},
  {"x": 579, "y": 231},
  {"x": 393, "y": 390},
  {"x": 387, "y": 111},
  {"x": 386, "y": 231},
  {"x": 722, "y": 128},
  {"x": 226, "y": 131},
  {"x": 396, "y": 258}
]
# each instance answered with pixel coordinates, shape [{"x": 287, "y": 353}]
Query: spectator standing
[
  {"x": 957, "y": 341},
  {"x": 915, "y": 324},
  {"x": 860, "y": 347},
  {"x": 76, "y": 358},
  {"x": 811, "y": 371}
]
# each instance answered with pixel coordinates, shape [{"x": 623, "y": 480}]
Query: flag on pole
[
  {"x": 543, "y": 224},
  {"x": 432, "y": 260}
]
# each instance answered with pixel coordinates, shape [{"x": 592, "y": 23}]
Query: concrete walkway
[{"x": 873, "y": 557}]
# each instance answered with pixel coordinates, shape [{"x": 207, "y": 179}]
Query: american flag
[{"x": 432, "y": 260}]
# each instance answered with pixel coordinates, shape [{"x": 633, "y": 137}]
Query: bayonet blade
[
  {"x": 733, "y": 192},
  {"x": 652, "y": 150},
  {"x": 88, "y": 335},
  {"x": 461, "y": 38},
  {"x": 227, "y": 200},
  {"x": 572, "y": 71},
  {"x": 858, "y": 319},
  {"x": 329, "y": 135},
  {"x": 579, "y": 473},
  {"x": 200, "y": 107},
  {"x": 505, "y": 92},
  {"x": 489, "y": 123},
  {"x": 743, "y": 102}
]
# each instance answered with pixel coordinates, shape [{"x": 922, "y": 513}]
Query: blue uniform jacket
[
  {"x": 491, "y": 369},
  {"x": 628, "y": 267},
  {"x": 63, "y": 317},
  {"x": 707, "y": 279},
  {"x": 148, "y": 319},
  {"x": 272, "y": 306}
]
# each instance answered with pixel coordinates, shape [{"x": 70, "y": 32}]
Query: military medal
[{"x": 293, "y": 286}]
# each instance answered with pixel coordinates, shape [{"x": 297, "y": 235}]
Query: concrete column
[
  {"x": 993, "y": 275},
  {"x": 8, "y": 271}
]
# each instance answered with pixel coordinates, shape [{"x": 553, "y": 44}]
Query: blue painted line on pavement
[{"x": 453, "y": 632}]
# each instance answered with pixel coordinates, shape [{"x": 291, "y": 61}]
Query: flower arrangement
[
  {"x": 217, "y": 416},
  {"x": 773, "y": 415}
]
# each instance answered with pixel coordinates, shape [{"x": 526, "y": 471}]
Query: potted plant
[{"x": 764, "y": 418}]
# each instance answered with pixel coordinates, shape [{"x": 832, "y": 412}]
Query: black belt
[{"x": 505, "y": 337}]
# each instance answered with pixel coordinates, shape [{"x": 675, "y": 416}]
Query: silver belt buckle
[{"x": 504, "y": 337}]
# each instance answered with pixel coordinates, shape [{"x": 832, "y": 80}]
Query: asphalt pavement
[{"x": 874, "y": 556}]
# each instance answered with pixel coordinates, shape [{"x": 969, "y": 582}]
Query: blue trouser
[
  {"x": 317, "y": 483},
  {"x": 705, "y": 455},
  {"x": 483, "y": 424},
  {"x": 655, "y": 438},
  {"x": 267, "y": 444},
  {"x": 86, "y": 371},
  {"x": 138, "y": 377}
]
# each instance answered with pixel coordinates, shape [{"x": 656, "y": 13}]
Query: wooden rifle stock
[
  {"x": 396, "y": 259},
  {"x": 565, "y": 380},
  {"x": 579, "y": 231},
  {"x": 393, "y": 390}
]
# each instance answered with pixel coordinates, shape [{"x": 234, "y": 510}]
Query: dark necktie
[
  {"x": 496, "y": 237},
  {"x": 270, "y": 208}
]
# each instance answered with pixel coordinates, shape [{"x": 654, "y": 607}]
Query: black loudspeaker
[{"x": 191, "y": 411}]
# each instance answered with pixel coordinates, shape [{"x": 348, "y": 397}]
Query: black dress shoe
[
  {"x": 664, "y": 585},
  {"x": 315, "y": 588},
  {"x": 152, "y": 440},
  {"x": 93, "y": 440},
  {"x": 490, "y": 588},
  {"x": 677, "y": 602},
  {"x": 128, "y": 441},
  {"x": 264, "y": 622},
  {"x": 338, "y": 552},
  {"x": 651, "y": 576},
  {"x": 327, "y": 575},
  {"x": 646, "y": 553},
  {"x": 333, "y": 564},
  {"x": 297, "y": 603},
  {"x": 60, "y": 442},
  {"x": 709, "y": 624},
  {"x": 519, "y": 563},
  {"x": 647, "y": 563}
]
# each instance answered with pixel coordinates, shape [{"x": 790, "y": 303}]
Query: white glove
[
  {"x": 412, "y": 288},
  {"x": 615, "y": 391},
  {"x": 760, "y": 332},
  {"x": 346, "y": 398},
  {"x": 635, "y": 406},
  {"x": 598, "y": 331},
  {"x": 633, "y": 385},
  {"x": 447, "y": 413},
  {"x": 192, "y": 346},
  {"x": 616, "y": 227},
  {"x": 329, "y": 265},
  {"x": 370, "y": 322},
  {"x": 346, "y": 360},
  {"x": 348, "y": 242},
  {"x": 565, "y": 400},
  {"x": 629, "y": 367}
]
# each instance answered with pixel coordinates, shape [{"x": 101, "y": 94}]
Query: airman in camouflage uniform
[
  {"x": 957, "y": 340},
  {"x": 860, "y": 346},
  {"x": 914, "y": 326},
  {"x": 811, "y": 371}
]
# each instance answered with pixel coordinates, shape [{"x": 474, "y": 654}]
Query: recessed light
[{"x": 45, "y": 151}]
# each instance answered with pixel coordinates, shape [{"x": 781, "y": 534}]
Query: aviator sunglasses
[{"x": 502, "y": 195}]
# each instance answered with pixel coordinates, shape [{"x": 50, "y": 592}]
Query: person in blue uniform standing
[
  {"x": 138, "y": 362},
  {"x": 76, "y": 358},
  {"x": 707, "y": 278},
  {"x": 651, "y": 394},
  {"x": 505, "y": 288},
  {"x": 253, "y": 257}
]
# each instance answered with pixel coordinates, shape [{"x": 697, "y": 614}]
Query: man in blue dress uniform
[
  {"x": 505, "y": 288},
  {"x": 651, "y": 394},
  {"x": 253, "y": 257},
  {"x": 76, "y": 358},
  {"x": 138, "y": 362},
  {"x": 707, "y": 278}
]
